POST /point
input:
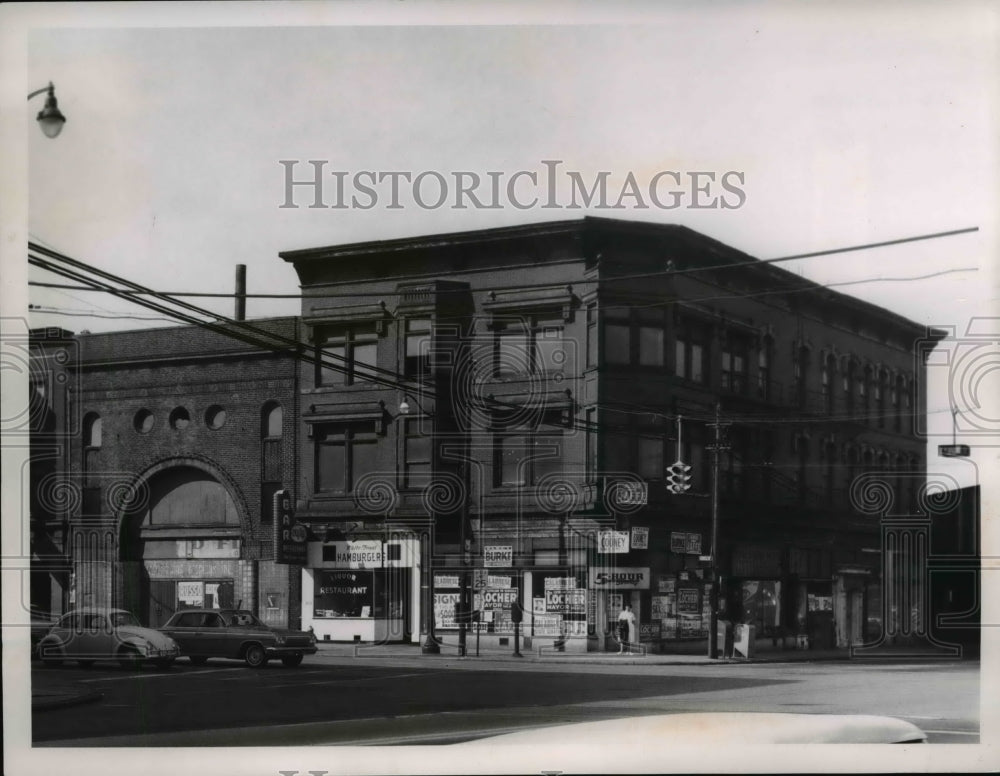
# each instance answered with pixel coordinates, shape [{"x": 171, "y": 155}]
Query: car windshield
[
  {"x": 123, "y": 618},
  {"x": 243, "y": 619}
]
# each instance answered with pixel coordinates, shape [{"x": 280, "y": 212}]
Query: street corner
[{"x": 60, "y": 696}]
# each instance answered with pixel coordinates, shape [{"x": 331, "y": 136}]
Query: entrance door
[{"x": 162, "y": 601}]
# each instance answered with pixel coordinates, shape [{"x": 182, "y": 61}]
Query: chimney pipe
[{"x": 241, "y": 292}]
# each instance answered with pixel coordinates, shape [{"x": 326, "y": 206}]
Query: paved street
[{"x": 340, "y": 699}]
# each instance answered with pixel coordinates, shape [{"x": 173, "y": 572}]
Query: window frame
[
  {"x": 348, "y": 435},
  {"x": 348, "y": 337}
]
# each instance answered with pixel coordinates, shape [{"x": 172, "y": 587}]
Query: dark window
[
  {"x": 347, "y": 354},
  {"x": 523, "y": 456},
  {"x": 650, "y": 457},
  {"x": 344, "y": 453},
  {"x": 894, "y": 401},
  {"x": 92, "y": 431},
  {"x": 417, "y": 455},
  {"x": 800, "y": 369},
  {"x": 734, "y": 366},
  {"x": 418, "y": 346},
  {"x": 826, "y": 376},
  {"x": 592, "y": 335},
  {"x": 764, "y": 372},
  {"x": 690, "y": 354},
  {"x": 532, "y": 345},
  {"x": 617, "y": 342},
  {"x": 271, "y": 419},
  {"x": 591, "y": 459},
  {"x": 830, "y": 453}
]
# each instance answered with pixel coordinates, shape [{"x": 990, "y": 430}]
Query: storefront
[
  {"x": 365, "y": 589},
  {"x": 612, "y": 588}
]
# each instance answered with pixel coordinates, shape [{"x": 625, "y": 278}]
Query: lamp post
[
  {"x": 49, "y": 118},
  {"x": 430, "y": 645},
  {"x": 716, "y": 448}
]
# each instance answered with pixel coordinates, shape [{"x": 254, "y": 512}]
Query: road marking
[
  {"x": 151, "y": 676},
  {"x": 358, "y": 679}
]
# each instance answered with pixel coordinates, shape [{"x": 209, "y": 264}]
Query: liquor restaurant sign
[{"x": 619, "y": 578}]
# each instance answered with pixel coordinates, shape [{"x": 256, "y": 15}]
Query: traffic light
[{"x": 678, "y": 477}]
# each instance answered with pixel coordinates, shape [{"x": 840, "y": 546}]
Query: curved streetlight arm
[{"x": 44, "y": 89}]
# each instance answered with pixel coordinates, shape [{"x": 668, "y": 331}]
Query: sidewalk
[{"x": 549, "y": 656}]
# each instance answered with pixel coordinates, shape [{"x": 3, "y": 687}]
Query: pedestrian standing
[{"x": 626, "y": 629}]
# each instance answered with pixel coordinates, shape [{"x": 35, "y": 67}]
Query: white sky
[{"x": 852, "y": 125}]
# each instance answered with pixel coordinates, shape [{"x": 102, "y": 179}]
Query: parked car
[
  {"x": 86, "y": 635},
  {"x": 40, "y": 625},
  {"x": 236, "y": 634}
]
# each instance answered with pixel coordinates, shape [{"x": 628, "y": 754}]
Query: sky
[
  {"x": 848, "y": 124},
  {"x": 844, "y": 125}
]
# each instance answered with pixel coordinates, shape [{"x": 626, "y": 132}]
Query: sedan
[
  {"x": 87, "y": 635},
  {"x": 236, "y": 634}
]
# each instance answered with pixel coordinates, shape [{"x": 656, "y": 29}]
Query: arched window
[
  {"x": 828, "y": 371},
  {"x": 271, "y": 423},
  {"x": 272, "y": 418}
]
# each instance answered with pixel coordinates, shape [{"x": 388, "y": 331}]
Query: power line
[{"x": 530, "y": 286}]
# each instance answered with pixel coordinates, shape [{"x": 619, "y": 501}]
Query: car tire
[
  {"x": 291, "y": 661},
  {"x": 198, "y": 660},
  {"x": 255, "y": 656},
  {"x": 129, "y": 658}
]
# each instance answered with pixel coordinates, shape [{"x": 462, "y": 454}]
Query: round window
[
  {"x": 144, "y": 421},
  {"x": 179, "y": 418},
  {"x": 215, "y": 417}
]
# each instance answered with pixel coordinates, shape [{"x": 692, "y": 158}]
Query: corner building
[{"x": 489, "y": 415}]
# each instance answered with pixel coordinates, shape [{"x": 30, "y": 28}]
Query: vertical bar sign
[{"x": 289, "y": 536}]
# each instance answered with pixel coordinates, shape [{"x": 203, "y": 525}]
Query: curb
[{"x": 62, "y": 701}]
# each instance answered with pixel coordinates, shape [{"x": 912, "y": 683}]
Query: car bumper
[
  {"x": 153, "y": 653},
  {"x": 284, "y": 651}
]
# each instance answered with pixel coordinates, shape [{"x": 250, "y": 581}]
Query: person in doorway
[{"x": 626, "y": 629}]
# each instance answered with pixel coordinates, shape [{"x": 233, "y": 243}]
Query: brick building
[
  {"x": 185, "y": 434},
  {"x": 503, "y": 404}
]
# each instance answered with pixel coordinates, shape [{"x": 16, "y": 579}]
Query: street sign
[
  {"x": 953, "y": 451},
  {"x": 498, "y": 557}
]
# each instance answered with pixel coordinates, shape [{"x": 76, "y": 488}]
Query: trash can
[{"x": 724, "y": 638}]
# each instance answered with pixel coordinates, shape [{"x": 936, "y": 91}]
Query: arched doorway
[{"x": 180, "y": 545}]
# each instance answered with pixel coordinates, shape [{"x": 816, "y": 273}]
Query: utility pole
[{"x": 716, "y": 447}]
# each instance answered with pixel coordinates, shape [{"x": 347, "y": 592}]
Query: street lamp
[{"x": 49, "y": 118}]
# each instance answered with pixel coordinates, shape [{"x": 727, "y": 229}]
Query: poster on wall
[
  {"x": 191, "y": 594},
  {"x": 612, "y": 542},
  {"x": 548, "y": 625},
  {"x": 538, "y": 605},
  {"x": 662, "y": 607},
  {"x": 678, "y": 542},
  {"x": 566, "y": 601},
  {"x": 640, "y": 538},
  {"x": 444, "y": 610},
  {"x": 665, "y": 583},
  {"x": 445, "y": 580},
  {"x": 498, "y": 556}
]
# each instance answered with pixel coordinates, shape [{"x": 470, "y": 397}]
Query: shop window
[
  {"x": 346, "y": 354},
  {"x": 531, "y": 345},
  {"x": 762, "y": 606},
  {"x": 418, "y": 346},
  {"x": 344, "y": 453}
]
